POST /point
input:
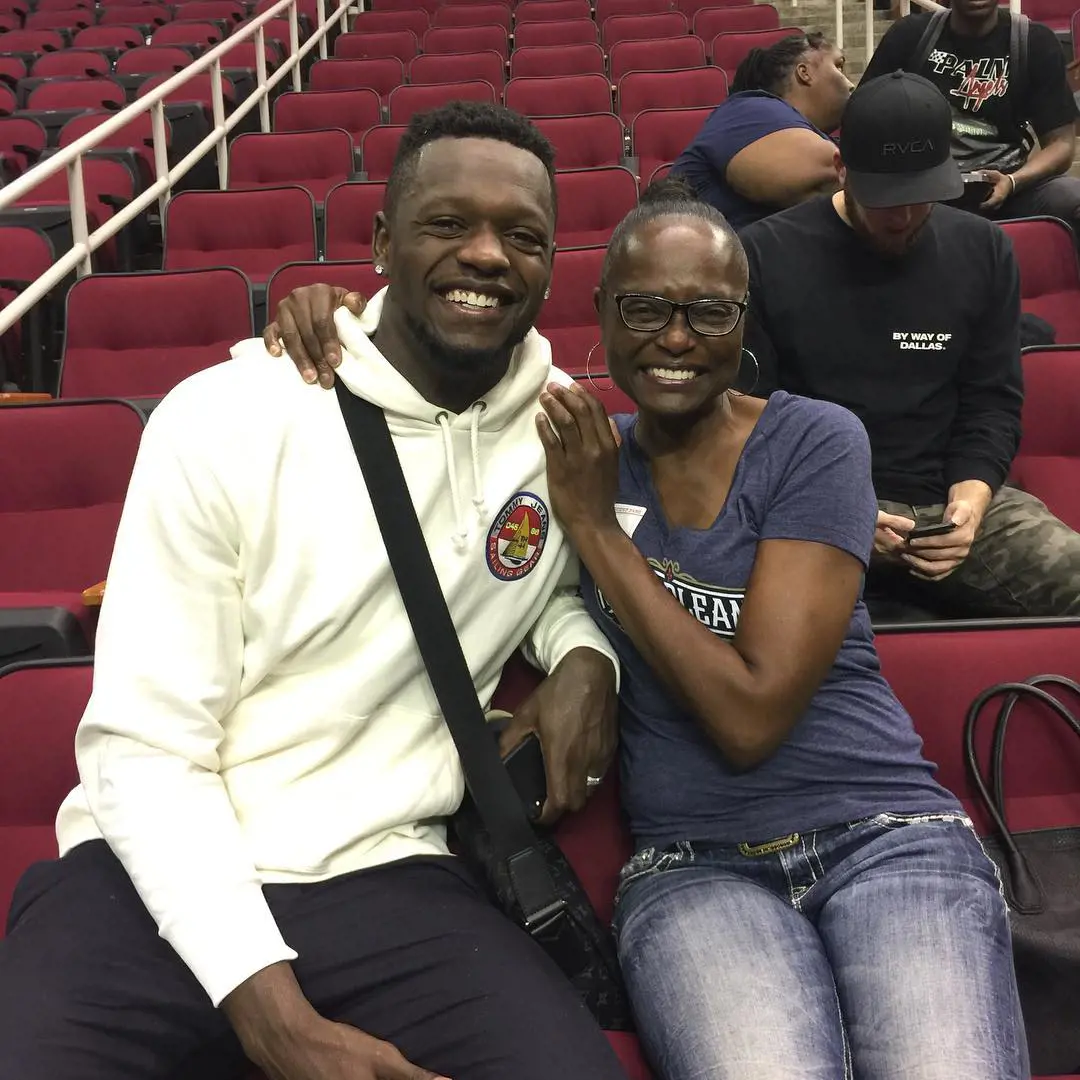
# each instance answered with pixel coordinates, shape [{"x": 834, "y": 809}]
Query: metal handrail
[{"x": 85, "y": 243}]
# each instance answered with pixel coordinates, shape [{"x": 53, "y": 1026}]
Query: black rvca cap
[{"x": 895, "y": 142}]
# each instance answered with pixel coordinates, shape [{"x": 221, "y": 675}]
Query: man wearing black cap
[
  {"x": 907, "y": 313},
  {"x": 1003, "y": 76}
]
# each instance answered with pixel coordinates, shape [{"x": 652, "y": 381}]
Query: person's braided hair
[{"x": 770, "y": 69}]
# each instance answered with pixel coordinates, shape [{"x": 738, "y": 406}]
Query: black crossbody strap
[
  {"x": 489, "y": 784},
  {"x": 928, "y": 40},
  {"x": 1018, "y": 55}
]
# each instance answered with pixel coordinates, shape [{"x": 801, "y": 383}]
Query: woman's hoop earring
[
  {"x": 757, "y": 374},
  {"x": 588, "y": 374}
]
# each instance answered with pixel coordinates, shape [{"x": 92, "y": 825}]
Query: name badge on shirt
[{"x": 629, "y": 517}]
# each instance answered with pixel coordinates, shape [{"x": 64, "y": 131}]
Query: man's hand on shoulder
[
  {"x": 574, "y": 711},
  {"x": 304, "y": 327},
  {"x": 288, "y": 1040}
]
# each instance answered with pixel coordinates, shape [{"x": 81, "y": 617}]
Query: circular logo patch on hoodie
[{"x": 516, "y": 537}]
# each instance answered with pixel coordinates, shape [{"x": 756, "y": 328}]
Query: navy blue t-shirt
[
  {"x": 732, "y": 126},
  {"x": 804, "y": 474}
]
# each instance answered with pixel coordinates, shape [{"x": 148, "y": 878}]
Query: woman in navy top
[
  {"x": 766, "y": 147},
  {"x": 805, "y": 899}
]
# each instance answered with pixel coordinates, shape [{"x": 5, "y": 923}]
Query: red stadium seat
[
  {"x": 660, "y": 135},
  {"x": 664, "y": 55},
  {"x": 13, "y": 68},
  {"x": 153, "y": 60},
  {"x": 415, "y": 20},
  {"x": 1049, "y": 273},
  {"x": 135, "y": 135},
  {"x": 378, "y": 150},
  {"x": 937, "y": 674},
  {"x": 25, "y": 254},
  {"x": 60, "y": 516},
  {"x": 316, "y": 160},
  {"x": 540, "y": 34},
  {"x": 407, "y": 5},
  {"x": 75, "y": 19},
  {"x": 402, "y": 44},
  {"x": 255, "y": 231},
  {"x": 32, "y": 41},
  {"x": 568, "y": 318},
  {"x": 355, "y": 111},
  {"x": 71, "y": 63},
  {"x": 183, "y": 32},
  {"x": 1048, "y": 462},
  {"x": 551, "y": 11},
  {"x": 689, "y": 88},
  {"x": 545, "y": 61},
  {"x": 487, "y": 66},
  {"x": 591, "y": 203},
  {"x": 1057, "y": 14},
  {"x": 41, "y": 704},
  {"x": 226, "y": 11},
  {"x": 458, "y": 39},
  {"x": 406, "y": 101},
  {"x": 728, "y": 51},
  {"x": 355, "y": 276},
  {"x": 22, "y": 141},
  {"x": 109, "y": 37},
  {"x": 8, "y": 103},
  {"x": 382, "y": 74},
  {"x": 141, "y": 15},
  {"x": 350, "y": 220},
  {"x": 584, "y": 142},
  {"x": 473, "y": 15},
  {"x": 138, "y": 335},
  {"x": 709, "y": 22},
  {"x": 567, "y": 95},
  {"x": 198, "y": 89},
  {"x": 60, "y": 93},
  {"x": 638, "y": 27},
  {"x": 606, "y": 8}
]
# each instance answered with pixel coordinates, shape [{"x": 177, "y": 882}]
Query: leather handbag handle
[{"x": 1026, "y": 891}]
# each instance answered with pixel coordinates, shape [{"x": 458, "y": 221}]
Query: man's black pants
[{"x": 411, "y": 952}]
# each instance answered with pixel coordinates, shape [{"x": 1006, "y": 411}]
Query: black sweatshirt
[{"x": 924, "y": 349}]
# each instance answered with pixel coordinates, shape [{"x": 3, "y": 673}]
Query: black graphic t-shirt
[
  {"x": 804, "y": 474},
  {"x": 989, "y": 111}
]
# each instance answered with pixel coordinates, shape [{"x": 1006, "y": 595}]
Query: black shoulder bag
[
  {"x": 976, "y": 153},
  {"x": 1040, "y": 872},
  {"x": 531, "y": 879}
]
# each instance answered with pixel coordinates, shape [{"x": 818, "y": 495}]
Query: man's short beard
[{"x": 460, "y": 359}]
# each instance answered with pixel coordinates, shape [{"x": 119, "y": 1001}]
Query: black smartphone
[
  {"x": 939, "y": 529},
  {"x": 976, "y": 191},
  {"x": 525, "y": 764}
]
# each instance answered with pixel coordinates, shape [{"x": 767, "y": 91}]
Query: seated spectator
[
  {"x": 255, "y": 862},
  {"x": 972, "y": 55},
  {"x": 908, "y": 314},
  {"x": 805, "y": 899},
  {"x": 766, "y": 146}
]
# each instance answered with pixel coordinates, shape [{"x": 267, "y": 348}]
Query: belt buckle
[{"x": 770, "y": 847}]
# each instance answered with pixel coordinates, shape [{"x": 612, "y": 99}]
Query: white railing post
[
  {"x": 217, "y": 103},
  {"x": 161, "y": 156},
  {"x": 260, "y": 75},
  {"x": 838, "y": 36},
  {"x": 905, "y": 8},
  {"x": 869, "y": 29},
  {"x": 80, "y": 231},
  {"x": 79, "y": 259},
  {"x": 320, "y": 14},
  {"x": 294, "y": 41}
]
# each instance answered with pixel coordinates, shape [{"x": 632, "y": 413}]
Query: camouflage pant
[{"x": 1024, "y": 562}]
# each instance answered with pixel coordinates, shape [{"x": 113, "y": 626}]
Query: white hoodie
[{"x": 260, "y": 711}]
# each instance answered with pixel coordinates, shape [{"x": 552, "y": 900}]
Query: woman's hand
[
  {"x": 304, "y": 324},
  {"x": 582, "y": 458}
]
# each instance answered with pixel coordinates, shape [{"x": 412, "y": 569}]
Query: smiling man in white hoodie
[{"x": 255, "y": 861}]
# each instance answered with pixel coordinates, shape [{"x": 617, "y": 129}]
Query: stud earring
[
  {"x": 547, "y": 294},
  {"x": 379, "y": 270}
]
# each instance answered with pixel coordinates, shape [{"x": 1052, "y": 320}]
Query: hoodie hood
[
  {"x": 368, "y": 374},
  {"x": 466, "y": 438}
]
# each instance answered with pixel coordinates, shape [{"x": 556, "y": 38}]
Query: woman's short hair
[
  {"x": 671, "y": 196},
  {"x": 769, "y": 69}
]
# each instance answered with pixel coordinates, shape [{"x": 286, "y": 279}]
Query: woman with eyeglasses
[{"x": 805, "y": 899}]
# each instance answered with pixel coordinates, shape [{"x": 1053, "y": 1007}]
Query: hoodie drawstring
[{"x": 461, "y": 528}]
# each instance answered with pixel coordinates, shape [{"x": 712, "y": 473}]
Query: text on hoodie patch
[{"x": 516, "y": 538}]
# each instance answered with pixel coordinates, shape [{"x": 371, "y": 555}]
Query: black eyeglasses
[{"x": 650, "y": 314}]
